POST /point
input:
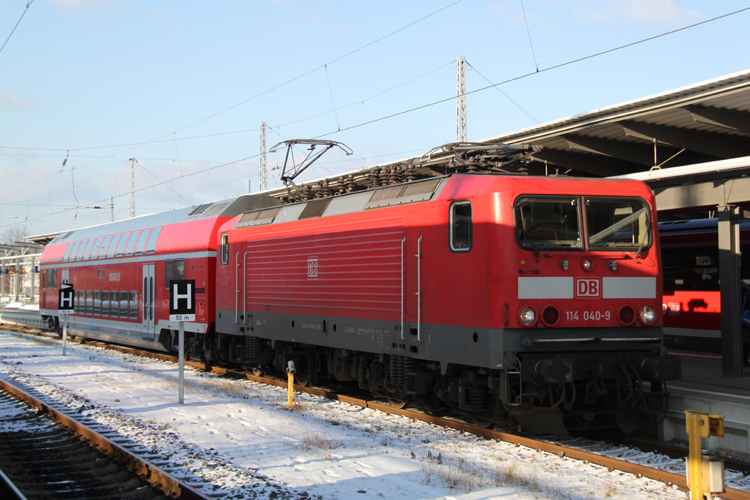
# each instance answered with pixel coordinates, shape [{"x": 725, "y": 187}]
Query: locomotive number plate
[{"x": 588, "y": 315}]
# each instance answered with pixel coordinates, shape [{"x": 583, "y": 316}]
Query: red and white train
[
  {"x": 692, "y": 298},
  {"x": 512, "y": 299}
]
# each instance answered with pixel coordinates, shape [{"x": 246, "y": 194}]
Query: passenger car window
[
  {"x": 460, "y": 226},
  {"x": 103, "y": 249},
  {"x": 68, "y": 249},
  {"x": 97, "y": 246},
  {"x": 131, "y": 242},
  {"x": 225, "y": 248},
  {"x": 113, "y": 246},
  {"x": 114, "y": 303},
  {"x": 124, "y": 305},
  {"x": 89, "y": 247},
  {"x": 167, "y": 273},
  {"x": 179, "y": 269},
  {"x": 142, "y": 242},
  {"x": 151, "y": 247},
  {"x": 133, "y": 305},
  {"x": 121, "y": 245},
  {"x": 79, "y": 254}
]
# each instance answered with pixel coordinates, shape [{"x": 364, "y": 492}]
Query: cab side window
[
  {"x": 224, "y": 248},
  {"x": 460, "y": 226}
]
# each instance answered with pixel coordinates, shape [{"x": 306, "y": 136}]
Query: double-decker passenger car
[{"x": 120, "y": 272}]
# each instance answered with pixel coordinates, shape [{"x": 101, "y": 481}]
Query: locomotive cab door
[{"x": 149, "y": 328}]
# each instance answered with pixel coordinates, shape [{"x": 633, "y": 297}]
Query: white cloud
[
  {"x": 655, "y": 11},
  {"x": 12, "y": 101},
  {"x": 314, "y": 19},
  {"x": 91, "y": 5},
  {"x": 637, "y": 11},
  {"x": 158, "y": 11}
]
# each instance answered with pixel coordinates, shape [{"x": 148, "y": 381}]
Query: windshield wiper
[
  {"x": 526, "y": 234},
  {"x": 643, "y": 240}
]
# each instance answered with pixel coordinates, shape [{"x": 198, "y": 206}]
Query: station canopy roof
[{"x": 705, "y": 122}]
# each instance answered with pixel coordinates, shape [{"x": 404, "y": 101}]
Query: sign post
[
  {"x": 65, "y": 307},
  {"x": 181, "y": 309}
]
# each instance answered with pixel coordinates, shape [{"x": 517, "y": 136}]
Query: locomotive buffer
[
  {"x": 181, "y": 309},
  {"x": 65, "y": 306}
]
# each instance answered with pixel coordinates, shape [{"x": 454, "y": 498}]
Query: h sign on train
[
  {"x": 65, "y": 304},
  {"x": 182, "y": 300}
]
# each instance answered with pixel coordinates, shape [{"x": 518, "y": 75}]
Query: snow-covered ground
[
  {"x": 21, "y": 306},
  {"x": 240, "y": 436}
]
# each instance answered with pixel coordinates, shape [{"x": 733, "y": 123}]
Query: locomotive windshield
[
  {"x": 612, "y": 223},
  {"x": 617, "y": 224},
  {"x": 547, "y": 222}
]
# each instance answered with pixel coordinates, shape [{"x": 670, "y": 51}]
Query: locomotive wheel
[
  {"x": 49, "y": 323},
  {"x": 221, "y": 358},
  {"x": 397, "y": 403},
  {"x": 482, "y": 422}
]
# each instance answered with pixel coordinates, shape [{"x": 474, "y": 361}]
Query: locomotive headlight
[
  {"x": 648, "y": 315},
  {"x": 587, "y": 264},
  {"x": 527, "y": 316}
]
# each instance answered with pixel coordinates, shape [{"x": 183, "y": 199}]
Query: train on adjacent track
[
  {"x": 692, "y": 297},
  {"x": 514, "y": 300}
]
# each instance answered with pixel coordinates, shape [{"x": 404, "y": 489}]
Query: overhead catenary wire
[
  {"x": 323, "y": 65},
  {"x": 528, "y": 32},
  {"x": 520, "y": 77},
  {"x": 303, "y": 74},
  {"x": 28, "y": 4},
  {"x": 328, "y": 79},
  {"x": 539, "y": 71},
  {"x": 504, "y": 94}
]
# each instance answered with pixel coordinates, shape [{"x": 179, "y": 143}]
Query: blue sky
[{"x": 183, "y": 86}]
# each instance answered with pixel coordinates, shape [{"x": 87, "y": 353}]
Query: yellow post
[
  {"x": 291, "y": 370},
  {"x": 290, "y": 390},
  {"x": 700, "y": 425}
]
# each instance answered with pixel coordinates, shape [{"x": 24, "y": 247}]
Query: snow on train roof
[{"x": 223, "y": 208}]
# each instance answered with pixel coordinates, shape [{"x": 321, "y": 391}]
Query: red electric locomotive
[
  {"x": 508, "y": 298},
  {"x": 120, "y": 272}
]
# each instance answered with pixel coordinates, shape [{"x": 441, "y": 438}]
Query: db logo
[
  {"x": 588, "y": 287},
  {"x": 312, "y": 268}
]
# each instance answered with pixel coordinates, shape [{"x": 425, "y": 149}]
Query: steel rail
[
  {"x": 561, "y": 451},
  {"x": 150, "y": 473},
  {"x": 9, "y": 490}
]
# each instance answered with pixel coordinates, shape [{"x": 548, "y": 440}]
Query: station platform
[{"x": 702, "y": 388}]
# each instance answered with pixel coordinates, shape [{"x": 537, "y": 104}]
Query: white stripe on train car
[
  {"x": 129, "y": 260},
  {"x": 629, "y": 288},
  {"x": 545, "y": 288},
  {"x": 564, "y": 288}
]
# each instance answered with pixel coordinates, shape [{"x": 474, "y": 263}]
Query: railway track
[
  {"x": 47, "y": 453},
  {"x": 653, "y": 460}
]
